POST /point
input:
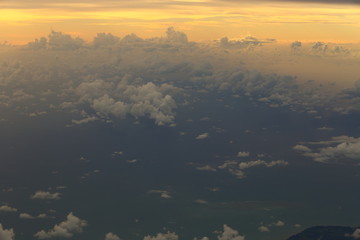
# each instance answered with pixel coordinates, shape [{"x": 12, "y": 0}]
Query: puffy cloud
[
  {"x": 6, "y": 208},
  {"x": 202, "y": 136},
  {"x": 301, "y": 148},
  {"x": 243, "y": 154},
  {"x": 230, "y": 234},
  {"x": 6, "y": 234},
  {"x": 279, "y": 224},
  {"x": 176, "y": 36},
  {"x": 248, "y": 41},
  {"x": 245, "y": 165},
  {"x": 60, "y": 41},
  {"x": 136, "y": 100},
  {"x": 29, "y": 216},
  {"x": 105, "y": 40},
  {"x": 111, "y": 236},
  {"x": 295, "y": 45},
  {"x": 206, "y": 168},
  {"x": 65, "y": 229},
  {"x": 346, "y": 150},
  {"x": 238, "y": 168},
  {"x": 42, "y": 195},
  {"x": 37, "y": 44},
  {"x": 163, "y": 193},
  {"x": 263, "y": 229},
  {"x": 356, "y": 234},
  {"x": 163, "y": 236}
]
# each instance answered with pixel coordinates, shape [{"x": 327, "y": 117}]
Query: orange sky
[{"x": 22, "y": 21}]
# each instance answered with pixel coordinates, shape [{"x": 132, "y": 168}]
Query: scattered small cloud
[
  {"x": 163, "y": 236},
  {"x": 42, "y": 195},
  {"x": 111, "y": 236},
  {"x": 7, "y": 208},
  {"x": 202, "y": 136},
  {"x": 65, "y": 229},
  {"x": 6, "y": 234}
]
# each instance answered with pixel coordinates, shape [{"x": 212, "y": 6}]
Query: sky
[
  {"x": 178, "y": 120},
  {"x": 203, "y": 20}
]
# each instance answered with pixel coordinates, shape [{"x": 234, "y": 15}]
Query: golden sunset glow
[{"x": 202, "y": 20}]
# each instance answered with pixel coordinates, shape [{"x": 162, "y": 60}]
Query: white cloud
[
  {"x": 301, "y": 148},
  {"x": 356, "y": 234},
  {"x": 26, "y": 216},
  {"x": 245, "y": 165},
  {"x": 163, "y": 236},
  {"x": 163, "y": 193},
  {"x": 206, "y": 168},
  {"x": 263, "y": 229},
  {"x": 29, "y": 216},
  {"x": 346, "y": 150},
  {"x": 111, "y": 236},
  {"x": 42, "y": 195},
  {"x": 279, "y": 224},
  {"x": 202, "y": 136},
  {"x": 65, "y": 229},
  {"x": 6, "y": 208},
  {"x": 6, "y": 234},
  {"x": 230, "y": 234},
  {"x": 243, "y": 154}
]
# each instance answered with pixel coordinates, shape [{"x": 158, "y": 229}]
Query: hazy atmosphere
[{"x": 179, "y": 120}]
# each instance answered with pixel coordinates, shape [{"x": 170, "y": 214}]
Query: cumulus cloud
[
  {"x": 65, "y": 229},
  {"x": 345, "y": 149},
  {"x": 111, "y": 236},
  {"x": 243, "y": 154},
  {"x": 263, "y": 229},
  {"x": 279, "y": 224},
  {"x": 238, "y": 168},
  {"x": 6, "y": 234},
  {"x": 7, "y": 208},
  {"x": 112, "y": 78},
  {"x": 163, "y": 193},
  {"x": 163, "y": 236},
  {"x": 29, "y": 216},
  {"x": 42, "y": 195},
  {"x": 202, "y": 136},
  {"x": 301, "y": 148},
  {"x": 60, "y": 41},
  {"x": 230, "y": 234},
  {"x": 245, "y": 165},
  {"x": 356, "y": 234}
]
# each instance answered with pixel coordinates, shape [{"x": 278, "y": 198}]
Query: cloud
[
  {"x": 206, "y": 168},
  {"x": 29, "y": 216},
  {"x": 65, "y": 229},
  {"x": 163, "y": 193},
  {"x": 163, "y": 236},
  {"x": 42, "y": 195},
  {"x": 238, "y": 168},
  {"x": 230, "y": 234},
  {"x": 345, "y": 150},
  {"x": 243, "y": 154},
  {"x": 279, "y": 224},
  {"x": 263, "y": 229},
  {"x": 60, "y": 41},
  {"x": 202, "y": 136},
  {"x": 111, "y": 236},
  {"x": 6, "y": 208},
  {"x": 356, "y": 234},
  {"x": 6, "y": 234},
  {"x": 301, "y": 148},
  {"x": 245, "y": 165}
]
